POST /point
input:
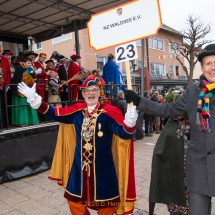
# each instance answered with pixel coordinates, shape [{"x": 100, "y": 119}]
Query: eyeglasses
[{"x": 86, "y": 91}]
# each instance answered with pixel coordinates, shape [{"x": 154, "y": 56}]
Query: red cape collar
[{"x": 109, "y": 110}]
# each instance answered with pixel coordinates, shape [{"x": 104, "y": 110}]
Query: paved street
[{"x": 37, "y": 195}]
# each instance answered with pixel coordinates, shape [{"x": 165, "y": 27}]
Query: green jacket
[{"x": 167, "y": 176}]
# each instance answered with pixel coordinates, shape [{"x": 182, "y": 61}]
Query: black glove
[{"x": 131, "y": 96}]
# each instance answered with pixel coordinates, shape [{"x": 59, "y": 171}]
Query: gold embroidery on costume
[{"x": 88, "y": 129}]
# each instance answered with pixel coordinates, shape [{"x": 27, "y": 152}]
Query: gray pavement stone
[{"x": 37, "y": 195}]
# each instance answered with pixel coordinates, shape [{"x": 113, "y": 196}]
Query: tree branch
[{"x": 192, "y": 43}]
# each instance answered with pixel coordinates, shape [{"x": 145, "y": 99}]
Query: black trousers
[{"x": 199, "y": 204}]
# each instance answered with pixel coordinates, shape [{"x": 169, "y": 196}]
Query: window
[
  {"x": 172, "y": 68},
  {"x": 62, "y": 38},
  {"x": 173, "y": 46},
  {"x": 133, "y": 65},
  {"x": 139, "y": 64},
  {"x": 156, "y": 43},
  {"x": 157, "y": 69},
  {"x": 177, "y": 70},
  {"x": 138, "y": 42},
  {"x": 38, "y": 46},
  {"x": 101, "y": 61},
  {"x": 19, "y": 48}
]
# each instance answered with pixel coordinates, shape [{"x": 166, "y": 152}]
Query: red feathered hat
[{"x": 92, "y": 80}]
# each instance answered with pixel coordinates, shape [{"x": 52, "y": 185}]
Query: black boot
[{"x": 151, "y": 208}]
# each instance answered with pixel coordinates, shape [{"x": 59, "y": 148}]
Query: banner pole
[{"x": 128, "y": 76}]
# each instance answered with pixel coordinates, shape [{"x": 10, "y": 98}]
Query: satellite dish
[{"x": 170, "y": 74}]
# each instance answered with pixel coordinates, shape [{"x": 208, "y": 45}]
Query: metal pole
[
  {"x": 77, "y": 48},
  {"x": 6, "y": 108},
  {"x": 142, "y": 69}
]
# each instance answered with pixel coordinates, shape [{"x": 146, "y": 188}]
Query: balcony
[{"x": 160, "y": 76}]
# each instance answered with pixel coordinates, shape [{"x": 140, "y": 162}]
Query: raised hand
[
  {"x": 131, "y": 96},
  {"x": 38, "y": 71},
  {"x": 131, "y": 117},
  {"x": 28, "y": 92}
]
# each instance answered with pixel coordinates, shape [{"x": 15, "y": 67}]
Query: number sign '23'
[{"x": 126, "y": 52}]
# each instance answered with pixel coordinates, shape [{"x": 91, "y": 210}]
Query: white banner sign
[
  {"x": 125, "y": 52},
  {"x": 128, "y": 22}
]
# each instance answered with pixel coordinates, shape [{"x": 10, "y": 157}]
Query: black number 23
[{"x": 121, "y": 50}]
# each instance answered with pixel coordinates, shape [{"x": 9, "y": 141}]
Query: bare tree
[{"x": 191, "y": 46}]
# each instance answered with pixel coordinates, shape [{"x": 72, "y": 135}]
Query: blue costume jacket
[
  {"x": 111, "y": 73},
  {"x": 103, "y": 178}
]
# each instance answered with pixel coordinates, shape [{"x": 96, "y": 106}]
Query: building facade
[{"x": 159, "y": 56}]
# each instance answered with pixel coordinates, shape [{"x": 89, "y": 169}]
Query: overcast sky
[{"x": 175, "y": 12}]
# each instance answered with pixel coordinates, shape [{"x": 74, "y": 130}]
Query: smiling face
[
  {"x": 91, "y": 95},
  {"x": 8, "y": 56},
  {"x": 27, "y": 64},
  {"x": 32, "y": 57},
  {"x": 42, "y": 58},
  {"x": 208, "y": 68},
  {"x": 50, "y": 65}
]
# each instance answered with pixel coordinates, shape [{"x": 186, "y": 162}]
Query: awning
[{"x": 46, "y": 19}]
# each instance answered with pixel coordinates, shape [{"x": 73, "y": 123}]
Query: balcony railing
[{"x": 160, "y": 76}]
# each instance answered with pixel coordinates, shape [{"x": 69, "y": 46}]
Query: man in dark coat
[
  {"x": 119, "y": 102},
  {"x": 61, "y": 70},
  {"x": 199, "y": 104}
]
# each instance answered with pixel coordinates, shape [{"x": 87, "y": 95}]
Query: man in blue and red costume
[{"x": 94, "y": 153}]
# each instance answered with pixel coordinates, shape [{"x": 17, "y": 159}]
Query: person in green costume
[
  {"x": 23, "y": 115},
  {"x": 168, "y": 174}
]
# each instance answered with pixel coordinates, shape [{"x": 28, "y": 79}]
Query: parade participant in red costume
[
  {"x": 50, "y": 65},
  {"x": 74, "y": 69},
  {"x": 8, "y": 54},
  {"x": 94, "y": 153},
  {"x": 43, "y": 75},
  {"x": 5, "y": 79}
]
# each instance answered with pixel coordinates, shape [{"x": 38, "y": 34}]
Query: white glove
[
  {"x": 131, "y": 116},
  {"x": 30, "y": 93},
  {"x": 38, "y": 71}
]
